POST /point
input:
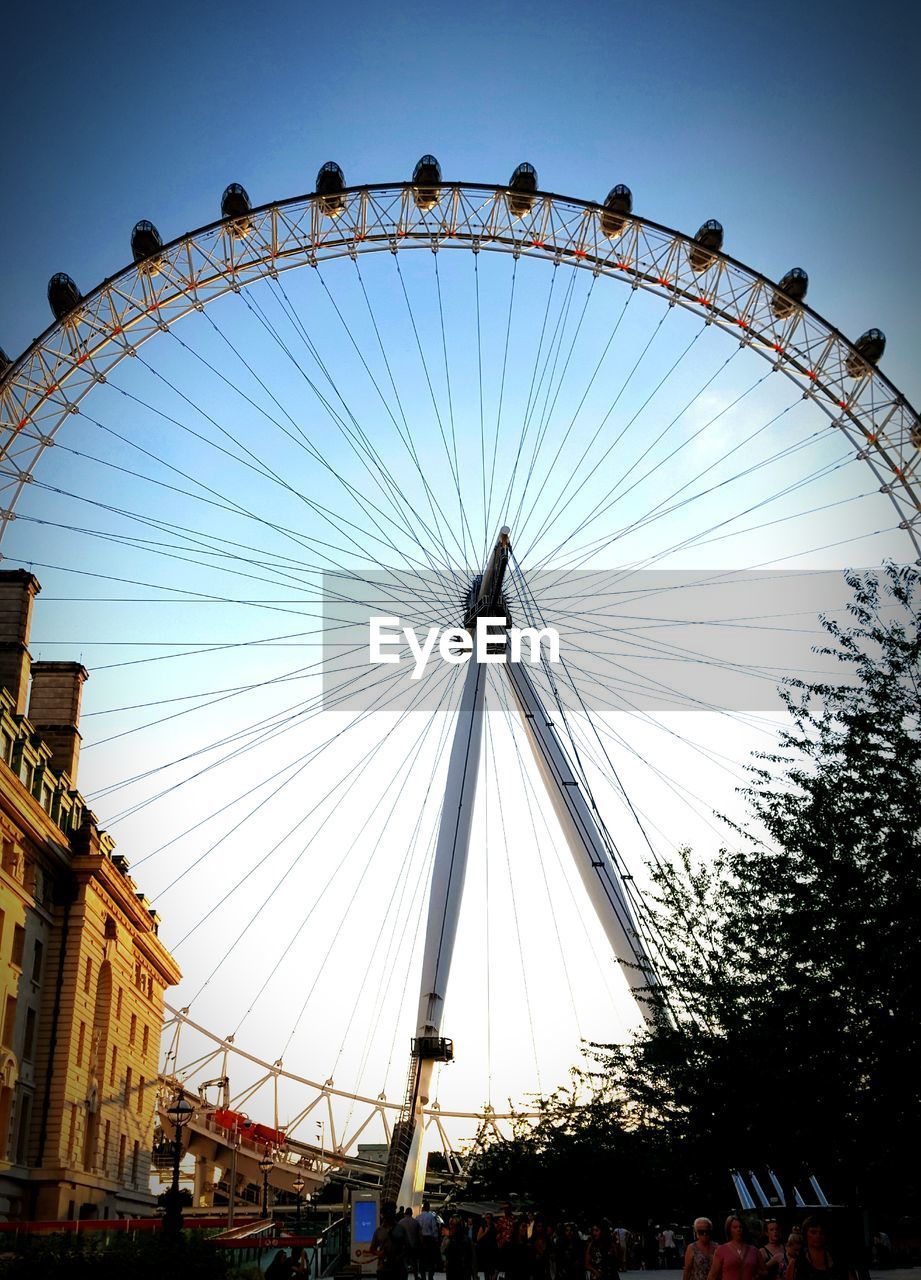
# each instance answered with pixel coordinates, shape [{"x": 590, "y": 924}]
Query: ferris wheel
[{"x": 554, "y": 415}]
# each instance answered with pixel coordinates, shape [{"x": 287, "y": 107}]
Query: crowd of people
[{"x": 528, "y": 1246}]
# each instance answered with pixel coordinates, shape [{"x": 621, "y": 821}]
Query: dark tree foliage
[{"x": 793, "y": 967}]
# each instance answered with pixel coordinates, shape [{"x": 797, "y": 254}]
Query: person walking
[
  {"x": 736, "y": 1259},
  {"x": 814, "y": 1261},
  {"x": 429, "y": 1241},
  {"x": 773, "y": 1254},
  {"x": 698, "y": 1256},
  {"x": 487, "y": 1248}
]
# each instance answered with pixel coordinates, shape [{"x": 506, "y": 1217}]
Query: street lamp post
[
  {"x": 298, "y": 1191},
  {"x": 266, "y": 1164},
  {"x": 179, "y": 1113}
]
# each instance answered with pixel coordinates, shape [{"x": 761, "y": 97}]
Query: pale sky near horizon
[{"x": 794, "y": 125}]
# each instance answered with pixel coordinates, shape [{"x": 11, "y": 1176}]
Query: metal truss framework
[
  {"x": 339, "y": 1148},
  {"x": 51, "y": 378}
]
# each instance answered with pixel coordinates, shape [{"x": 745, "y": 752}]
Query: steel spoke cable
[
  {"x": 153, "y": 547},
  {"x": 406, "y": 434},
  {"x": 558, "y": 510},
  {"x": 361, "y": 449},
  {"x": 552, "y": 387},
  {"x": 648, "y": 683},
  {"x": 326, "y": 514},
  {"x": 501, "y": 398},
  {"x": 353, "y": 777},
  {"x": 308, "y": 757},
  {"x": 655, "y": 390},
  {"x": 479, "y": 368},
  {"x": 298, "y": 766},
  {"x": 820, "y": 473},
  {"x": 264, "y": 731},
  {"x": 552, "y": 842},
  {"x": 504, "y": 504},
  {"x": 405, "y": 507},
  {"x": 297, "y": 436},
  {"x": 785, "y": 452},
  {"x": 548, "y": 896},
  {"x": 591, "y": 382},
  {"x": 609, "y": 499},
  {"x": 547, "y": 371},
  {"x": 218, "y": 500},
  {"x": 661, "y": 511},
  {"x": 511, "y": 885},
  {"x": 645, "y": 924},
  {"x": 393, "y": 779},
  {"x": 385, "y": 964},
  {"x": 465, "y": 527},
  {"x": 418, "y": 909}
]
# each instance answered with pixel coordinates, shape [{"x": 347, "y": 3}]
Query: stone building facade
[{"x": 82, "y": 970}]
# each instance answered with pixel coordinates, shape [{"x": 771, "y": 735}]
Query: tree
[{"x": 790, "y": 1032}]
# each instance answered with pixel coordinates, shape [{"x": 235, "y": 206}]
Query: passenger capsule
[
  {"x": 790, "y": 291},
  {"x": 868, "y": 349},
  {"x": 63, "y": 295},
  {"x": 235, "y": 204},
  {"x": 707, "y": 243},
  {"x": 521, "y": 187},
  {"x": 5, "y": 362},
  {"x": 330, "y": 185},
  {"x": 145, "y": 241},
  {"x": 427, "y": 182},
  {"x": 915, "y": 434},
  {"x": 618, "y": 205}
]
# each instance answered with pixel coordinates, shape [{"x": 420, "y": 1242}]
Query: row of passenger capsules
[{"x": 614, "y": 216}]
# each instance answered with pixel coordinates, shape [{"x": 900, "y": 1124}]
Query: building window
[
  {"x": 106, "y": 1134},
  {"x": 122, "y": 1142},
  {"x": 135, "y": 1161},
  {"x": 145, "y": 1039},
  {"x": 128, "y": 1082},
  {"x": 114, "y": 1064},
  {"x": 81, "y": 1040},
  {"x": 22, "y": 1134},
  {"x": 38, "y": 956},
  {"x": 28, "y": 1040},
  {"x": 133, "y": 1029},
  {"x": 19, "y": 945},
  {"x": 2, "y": 922},
  {"x": 9, "y": 1021},
  {"x": 88, "y": 974},
  {"x": 12, "y": 860},
  {"x": 72, "y": 1133},
  {"x": 141, "y": 1083},
  {"x": 118, "y": 1005},
  {"x": 6, "y": 1107}
]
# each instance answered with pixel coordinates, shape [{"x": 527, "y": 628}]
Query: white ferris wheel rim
[{"x": 50, "y": 379}]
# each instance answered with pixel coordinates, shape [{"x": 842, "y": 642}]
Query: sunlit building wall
[{"x": 82, "y": 970}]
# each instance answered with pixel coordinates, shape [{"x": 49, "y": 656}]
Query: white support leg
[
  {"x": 448, "y": 874},
  {"x": 450, "y": 866},
  {"x": 599, "y": 875}
]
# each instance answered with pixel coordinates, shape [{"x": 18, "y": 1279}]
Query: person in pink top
[{"x": 736, "y": 1259}]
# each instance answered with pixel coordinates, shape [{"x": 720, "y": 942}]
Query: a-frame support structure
[{"x": 405, "y": 1175}]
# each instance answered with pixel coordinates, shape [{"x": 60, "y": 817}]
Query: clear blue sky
[{"x": 795, "y": 124}]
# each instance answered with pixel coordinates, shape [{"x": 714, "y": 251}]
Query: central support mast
[
  {"x": 589, "y": 844},
  {"x": 405, "y": 1175}
]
